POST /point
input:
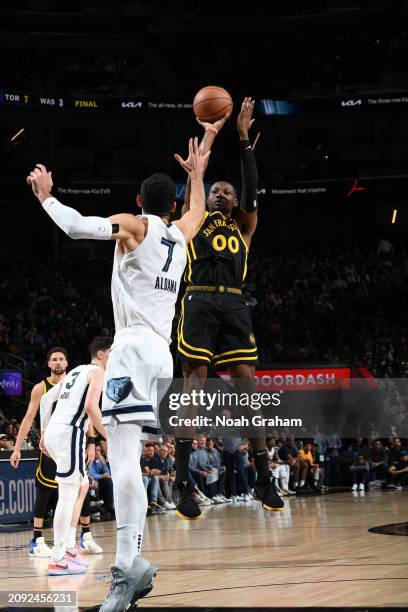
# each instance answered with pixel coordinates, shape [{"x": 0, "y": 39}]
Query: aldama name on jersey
[{"x": 166, "y": 284}]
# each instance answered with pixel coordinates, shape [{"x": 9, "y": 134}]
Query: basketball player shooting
[
  {"x": 149, "y": 260},
  {"x": 215, "y": 326}
]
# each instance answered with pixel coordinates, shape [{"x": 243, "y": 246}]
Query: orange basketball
[{"x": 211, "y": 103}]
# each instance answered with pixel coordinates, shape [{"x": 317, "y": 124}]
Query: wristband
[
  {"x": 91, "y": 440},
  {"x": 245, "y": 145},
  {"x": 211, "y": 128}
]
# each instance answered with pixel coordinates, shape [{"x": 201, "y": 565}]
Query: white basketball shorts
[
  {"x": 66, "y": 446},
  {"x": 138, "y": 357}
]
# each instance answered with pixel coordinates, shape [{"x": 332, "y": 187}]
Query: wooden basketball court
[{"x": 318, "y": 552}]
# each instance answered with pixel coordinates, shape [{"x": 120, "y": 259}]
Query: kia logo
[{"x": 351, "y": 102}]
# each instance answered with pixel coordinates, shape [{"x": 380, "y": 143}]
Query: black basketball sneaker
[
  {"x": 266, "y": 492},
  {"x": 186, "y": 506}
]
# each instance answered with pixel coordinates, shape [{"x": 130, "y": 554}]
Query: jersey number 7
[{"x": 170, "y": 245}]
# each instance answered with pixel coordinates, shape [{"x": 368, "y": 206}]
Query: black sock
[
  {"x": 261, "y": 466},
  {"x": 183, "y": 450},
  {"x": 85, "y": 528},
  {"x": 37, "y": 533}
]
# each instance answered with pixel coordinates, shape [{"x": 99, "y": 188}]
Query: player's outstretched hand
[
  {"x": 217, "y": 124},
  {"x": 244, "y": 119},
  {"x": 41, "y": 182},
  {"x": 43, "y": 448},
  {"x": 15, "y": 458},
  {"x": 196, "y": 161}
]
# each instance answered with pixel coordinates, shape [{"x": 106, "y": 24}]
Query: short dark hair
[
  {"x": 158, "y": 193},
  {"x": 100, "y": 343},
  {"x": 57, "y": 349}
]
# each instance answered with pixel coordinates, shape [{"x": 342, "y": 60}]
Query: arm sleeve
[
  {"x": 249, "y": 175},
  {"x": 74, "y": 224}
]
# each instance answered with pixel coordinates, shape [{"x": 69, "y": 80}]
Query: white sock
[
  {"x": 71, "y": 542},
  {"x": 57, "y": 553},
  {"x": 295, "y": 484},
  {"x": 302, "y": 482},
  {"x": 128, "y": 545},
  {"x": 67, "y": 495},
  {"x": 285, "y": 483},
  {"x": 128, "y": 489}
]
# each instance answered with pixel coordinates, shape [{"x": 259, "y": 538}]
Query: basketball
[{"x": 211, "y": 103}]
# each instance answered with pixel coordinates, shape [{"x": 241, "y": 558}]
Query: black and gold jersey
[
  {"x": 217, "y": 255},
  {"x": 47, "y": 385},
  {"x": 46, "y": 469}
]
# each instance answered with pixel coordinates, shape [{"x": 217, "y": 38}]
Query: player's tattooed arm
[
  {"x": 247, "y": 213},
  {"x": 194, "y": 165},
  {"x": 210, "y": 132}
]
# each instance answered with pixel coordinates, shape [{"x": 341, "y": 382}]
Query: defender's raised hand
[
  {"x": 244, "y": 119},
  {"x": 196, "y": 161}
]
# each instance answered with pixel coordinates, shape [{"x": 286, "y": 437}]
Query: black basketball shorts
[{"x": 215, "y": 328}]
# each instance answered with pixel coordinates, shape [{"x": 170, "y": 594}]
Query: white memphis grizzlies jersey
[
  {"x": 71, "y": 398},
  {"x": 146, "y": 282},
  {"x": 48, "y": 402}
]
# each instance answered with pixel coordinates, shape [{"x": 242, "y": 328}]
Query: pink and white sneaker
[
  {"x": 75, "y": 556},
  {"x": 65, "y": 567}
]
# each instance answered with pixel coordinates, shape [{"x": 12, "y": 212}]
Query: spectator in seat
[
  {"x": 358, "y": 447},
  {"x": 100, "y": 472},
  {"x": 394, "y": 452},
  {"x": 6, "y": 443},
  {"x": 288, "y": 454},
  {"x": 305, "y": 455},
  {"x": 236, "y": 472},
  {"x": 280, "y": 470},
  {"x": 360, "y": 470},
  {"x": 378, "y": 461},
  {"x": 216, "y": 489},
  {"x": 165, "y": 482},
  {"x": 399, "y": 472},
  {"x": 334, "y": 445},
  {"x": 151, "y": 468},
  {"x": 104, "y": 450},
  {"x": 249, "y": 466},
  {"x": 197, "y": 479},
  {"x": 200, "y": 466}
]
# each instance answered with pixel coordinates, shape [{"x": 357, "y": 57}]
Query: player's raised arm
[
  {"x": 247, "y": 214},
  {"x": 26, "y": 423},
  {"x": 117, "y": 227},
  {"x": 210, "y": 132},
  {"x": 195, "y": 166}
]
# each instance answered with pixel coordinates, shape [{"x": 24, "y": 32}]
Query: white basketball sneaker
[
  {"x": 88, "y": 546},
  {"x": 39, "y": 548}
]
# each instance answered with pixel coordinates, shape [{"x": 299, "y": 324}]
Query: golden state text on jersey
[{"x": 218, "y": 254}]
